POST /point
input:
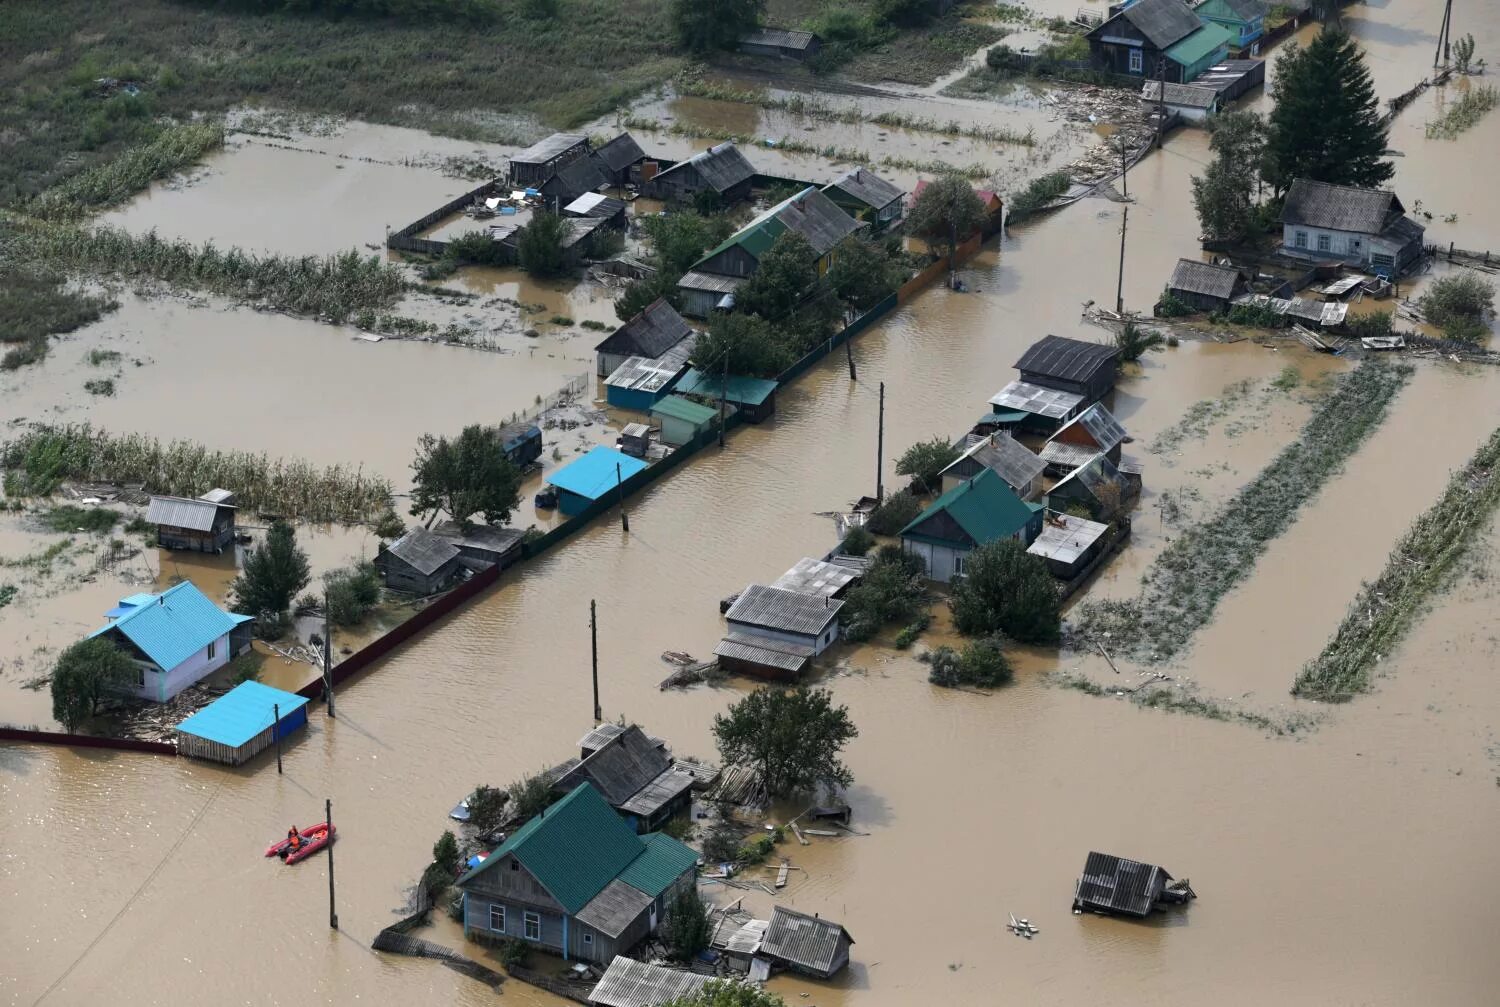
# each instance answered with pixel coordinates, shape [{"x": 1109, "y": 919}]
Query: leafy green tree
[
  {"x": 981, "y": 663},
  {"x": 862, "y": 273},
  {"x": 892, "y": 590},
  {"x": 86, "y": 674},
  {"x": 275, "y": 570},
  {"x": 445, "y": 851},
  {"x": 749, "y": 344},
  {"x": 946, "y": 213},
  {"x": 1325, "y": 124},
  {"x": 924, "y": 461},
  {"x": 679, "y": 239},
  {"x": 639, "y": 295},
  {"x": 530, "y": 796},
  {"x": 1460, "y": 305},
  {"x": 1005, "y": 590},
  {"x": 389, "y": 525},
  {"x": 487, "y": 808},
  {"x": 539, "y": 246},
  {"x": 894, "y": 513},
  {"x": 1133, "y": 341},
  {"x": 1224, "y": 195},
  {"x": 465, "y": 476},
  {"x": 687, "y": 926},
  {"x": 351, "y": 593},
  {"x": 791, "y": 736},
  {"x": 704, "y": 25},
  {"x": 784, "y": 274},
  {"x": 857, "y": 541},
  {"x": 724, "y": 993},
  {"x": 475, "y": 248}
]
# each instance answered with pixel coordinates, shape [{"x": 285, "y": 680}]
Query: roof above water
[
  {"x": 545, "y": 150},
  {"x": 1028, "y": 398},
  {"x": 620, "y": 766},
  {"x": 1208, "y": 39},
  {"x": 182, "y": 512},
  {"x": 172, "y": 626},
  {"x": 1232, "y": 10},
  {"x": 1163, "y": 22},
  {"x": 758, "y": 650},
  {"x": 1205, "y": 278},
  {"x": 810, "y": 213},
  {"x": 867, "y": 187},
  {"x": 595, "y": 473},
  {"x": 786, "y": 611},
  {"x": 1339, "y": 207},
  {"x": 655, "y": 330},
  {"x": 1067, "y": 359},
  {"x": 983, "y": 506},
  {"x": 1100, "y": 424},
  {"x": 1065, "y": 538},
  {"x": 679, "y": 408},
  {"x": 629, "y": 983},
  {"x": 722, "y": 166},
  {"x": 242, "y": 713},
  {"x": 621, "y": 152},
  {"x": 613, "y": 910},
  {"x": 739, "y": 390},
  {"x": 809, "y": 941},
  {"x": 1184, "y": 95},
  {"x": 817, "y": 578},
  {"x": 1121, "y": 885},
  {"x": 1011, "y": 460},
  {"x": 423, "y": 551}
]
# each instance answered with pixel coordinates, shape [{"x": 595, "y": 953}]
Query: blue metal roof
[
  {"x": 241, "y": 714},
  {"x": 595, "y": 474},
  {"x": 172, "y": 626}
]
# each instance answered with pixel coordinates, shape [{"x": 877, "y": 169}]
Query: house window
[
  {"x": 958, "y": 564},
  {"x": 515, "y": 865},
  {"x": 497, "y": 919},
  {"x": 1137, "y": 61},
  {"x": 533, "y": 927},
  {"x": 140, "y": 677},
  {"x": 1354, "y": 244},
  {"x": 1382, "y": 260},
  {"x": 588, "y": 938},
  {"x": 1300, "y": 239},
  {"x": 1325, "y": 242},
  {"x": 211, "y": 648}
]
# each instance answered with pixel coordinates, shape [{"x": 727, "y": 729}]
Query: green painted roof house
[
  {"x": 1201, "y": 50},
  {"x": 974, "y": 513}
]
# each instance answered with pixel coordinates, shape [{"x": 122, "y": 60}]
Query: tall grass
[
  {"x": 113, "y": 182},
  {"x": 36, "y": 303},
  {"x": 1463, "y": 114},
  {"x": 43, "y": 456},
  {"x": 1182, "y": 588},
  {"x": 1417, "y": 569}
]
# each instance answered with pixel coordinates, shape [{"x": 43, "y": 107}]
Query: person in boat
[{"x": 293, "y": 840}]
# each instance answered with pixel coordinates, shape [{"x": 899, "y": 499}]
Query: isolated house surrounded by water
[
  {"x": 781, "y": 42},
  {"x": 1011, "y": 460},
  {"x": 205, "y": 524},
  {"x": 576, "y": 881},
  {"x": 1204, "y": 286},
  {"x": 175, "y": 638},
  {"x": 1365, "y": 227},
  {"x": 1139, "y": 37},
  {"x": 867, "y": 197},
  {"x": 773, "y": 633},
  {"x": 807, "y": 944},
  {"x": 1095, "y": 431},
  {"x": 419, "y": 562},
  {"x": 976, "y": 512},
  {"x": 532, "y": 167},
  {"x": 721, "y": 169},
  {"x": 1111, "y": 884},
  {"x": 634, "y": 774},
  {"x": 655, "y": 330}
]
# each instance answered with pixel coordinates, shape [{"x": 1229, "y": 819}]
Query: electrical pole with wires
[
  {"x": 1120, "y": 280},
  {"x": 1161, "y": 99},
  {"x": 880, "y": 451}
]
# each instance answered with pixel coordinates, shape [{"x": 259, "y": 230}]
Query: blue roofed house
[
  {"x": 237, "y": 725},
  {"x": 576, "y": 881},
  {"x": 175, "y": 638},
  {"x": 976, "y": 512},
  {"x": 592, "y": 477},
  {"x": 1245, "y": 19}
]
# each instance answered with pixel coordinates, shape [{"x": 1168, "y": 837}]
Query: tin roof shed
[
  {"x": 629, "y": 983},
  {"x": 595, "y": 473}
]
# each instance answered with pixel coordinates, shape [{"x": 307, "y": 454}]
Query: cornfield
[
  {"x": 118, "y": 180},
  {"x": 1417, "y": 568},
  {"x": 43, "y": 456}
]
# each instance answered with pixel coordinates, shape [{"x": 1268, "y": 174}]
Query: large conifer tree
[{"x": 1326, "y": 123}]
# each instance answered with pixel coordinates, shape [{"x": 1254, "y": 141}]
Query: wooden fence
[
  {"x": 87, "y": 741},
  {"x": 405, "y": 240}
]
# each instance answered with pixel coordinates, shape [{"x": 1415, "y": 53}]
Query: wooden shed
[
  {"x": 682, "y": 419},
  {"x": 204, "y": 524},
  {"x": 721, "y": 168},
  {"x": 810, "y": 945},
  {"x": 241, "y": 723},
  {"x": 482, "y": 546},
  {"x": 419, "y": 562},
  {"x": 1111, "y": 884},
  {"x": 1204, "y": 286},
  {"x": 1070, "y": 365},
  {"x": 532, "y": 167},
  {"x": 782, "y": 43}
]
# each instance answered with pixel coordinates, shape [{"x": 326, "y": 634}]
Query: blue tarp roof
[
  {"x": 240, "y": 715},
  {"x": 594, "y": 474},
  {"x": 172, "y": 626}
]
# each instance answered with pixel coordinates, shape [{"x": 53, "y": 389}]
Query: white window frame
[
  {"x": 501, "y": 910},
  {"x": 1137, "y": 61},
  {"x": 528, "y": 921},
  {"x": 958, "y": 566},
  {"x": 588, "y": 938},
  {"x": 1299, "y": 239},
  {"x": 212, "y": 644},
  {"x": 1325, "y": 242}
]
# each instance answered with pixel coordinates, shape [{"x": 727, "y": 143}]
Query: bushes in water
[
  {"x": 35, "y": 303},
  {"x": 1040, "y": 192},
  {"x": 898, "y": 511},
  {"x": 981, "y": 663},
  {"x": 1006, "y": 590},
  {"x": 116, "y": 181},
  {"x": 1377, "y": 323},
  {"x": 891, "y": 590},
  {"x": 1460, "y": 305},
  {"x": 1256, "y": 316},
  {"x": 1171, "y": 306},
  {"x": 858, "y": 541},
  {"x": 1133, "y": 341},
  {"x": 351, "y": 593},
  {"x": 69, "y": 518}
]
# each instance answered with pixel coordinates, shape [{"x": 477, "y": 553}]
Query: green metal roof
[
  {"x": 984, "y": 507},
  {"x": 739, "y": 390},
  {"x": 661, "y": 864},
  {"x": 759, "y": 235},
  {"x": 679, "y": 408},
  {"x": 1200, "y": 44}
]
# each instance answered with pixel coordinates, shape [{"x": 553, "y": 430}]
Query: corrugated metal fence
[{"x": 87, "y": 741}]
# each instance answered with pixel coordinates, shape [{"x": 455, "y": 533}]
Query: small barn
[
  {"x": 596, "y": 204},
  {"x": 241, "y": 723},
  {"x": 419, "y": 562},
  {"x": 1067, "y": 544},
  {"x": 576, "y": 178},
  {"x": 655, "y": 330},
  {"x": 704, "y": 293},
  {"x": 482, "y": 546},
  {"x": 629, "y": 983},
  {"x": 754, "y": 397},
  {"x": 1070, "y": 365},
  {"x": 532, "y": 167},
  {"x": 591, "y": 477},
  {"x": 521, "y": 442},
  {"x": 1111, "y": 884},
  {"x": 721, "y": 169},
  {"x": 619, "y": 157},
  {"x": 1095, "y": 431},
  {"x": 1011, "y": 460},
  {"x": 810, "y": 945},
  {"x": 1204, "y": 286},
  {"x": 867, "y": 197},
  {"x": 682, "y": 419},
  {"x": 781, "y": 43},
  {"x": 636, "y": 776},
  {"x": 204, "y": 524},
  {"x": 1096, "y": 487},
  {"x": 773, "y": 633},
  {"x": 1189, "y": 102},
  {"x": 976, "y": 512}
]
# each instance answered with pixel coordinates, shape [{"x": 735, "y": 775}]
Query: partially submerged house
[
  {"x": 599, "y": 206},
  {"x": 1189, "y": 102},
  {"x": 1364, "y": 227},
  {"x": 204, "y": 524},
  {"x": 249, "y": 719},
  {"x": 1157, "y": 38},
  {"x": 1111, "y": 884},
  {"x": 721, "y": 169},
  {"x": 773, "y": 633},
  {"x": 867, "y": 198},
  {"x": 1059, "y": 378},
  {"x": 1068, "y": 543},
  {"x": 576, "y": 881},
  {"x": 1095, "y": 431},
  {"x": 810, "y": 945},
  {"x": 1245, "y": 19},
  {"x": 521, "y": 442},
  {"x": 782, "y": 43},
  {"x": 655, "y": 330},
  {"x": 976, "y": 512},
  {"x": 753, "y": 397},
  {"x": 419, "y": 562},
  {"x": 1007, "y": 457},
  {"x": 1097, "y": 487},
  {"x": 634, "y": 774},
  {"x": 629, "y": 983},
  {"x": 592, "y": 477},
  {"x": 481, "y": 546},
  {"x": 174, "y": 638},
  {"x": 682, "y": 419},
  {"x": 1204, "y": 286},
  {"x": 620, "y": 157},
  {"x": 532, "y": 167}
]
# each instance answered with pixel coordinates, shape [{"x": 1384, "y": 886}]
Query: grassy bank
[
  {"x": 113, "y": 182},
  {"x": 1182, "y": 588},
  {"x": 1175, "y": 698},
  {"x": 42, "y": 457},
  {"x": 1417, "y": 569}
]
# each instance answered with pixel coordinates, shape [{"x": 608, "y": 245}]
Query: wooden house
[
  {"x": 1364, "y": 227},
  {"x": 1097, "y": 487},
  {"x": 1245, "y": 20},
  {"x": 1095, "y": 431},
  {"x": 1189, "y": 102},
  {"x": 629, "y": 983},
  {"x": 781, "y": 43},
  {"x": 1070, "y": 365},
  {"x": 621, "y": 158},
  {"x": 721, "y": 169},
  {"x": 809, "y": 213},
  {"x": 532, "y": 167},
  {"x": 175, "y": 639},
  {"x": 521, "y": 442},
  {"x": 1204, "y": 286},
  {"x": 1111, "y": 884},
  {"x": 594, "y": 476},
  {"x": 482, "y": 546},
  {"x": 420, "y": 563},
  {"x": 635, "y": 775},
  {"x": 773, "y": 633},
  {"x": 1157, "y": 38},
  {"x": 247, "y": 720},
  {"x": 576, "y": 881},
  {"x": 578, "y": 177},
  {"x": 655, "y": 330},
  {"x": 810, "y": 945},
  {"x": 976, "y": 512},
  {"x": 205, "y": 524},
  {"x": 1067, "y": 544},
  {"x": 704, "y": 293},
  {"x": 682, "y": 419},
  {"x": 753, "y": 397},
  {"x": 595, "y": 204},
  {"x": 867, "y": 198},
  {"x": 1011, "y": 460}
]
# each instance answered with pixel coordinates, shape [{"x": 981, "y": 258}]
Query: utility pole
[
  {"x": 594, "y": 640},
  {"x": 880, "y": 451},
  {"x": 620, "y": 489},
  {"x": 1443, "y": 48},
  {"x": 849, "y": 353},
  {"x": 1124, "y": 182},
  {"x": 1120, "y": 281},
  {"x": 333, "y": 916},
  {"x": 276, "y": 730},
  {"x": 327, "y": 657},
  {"x": 1161, "y": 99},
  {"x": 723, "y": 397}
]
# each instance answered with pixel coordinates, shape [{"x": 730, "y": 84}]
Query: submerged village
[{"x": 748, "y": 502}]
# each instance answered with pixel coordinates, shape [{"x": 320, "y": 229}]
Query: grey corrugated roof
[
  {"x": 712, "y": 282},
  {"x": 1120, "y": 885},
  {"x": 180, "y": 512},
  {"x": 629, "y": 983},
  {"x": 479, "y": 536},
  {"x": 1164, "y": 22},
  {"x": 614, "y": 909},
  {"x": 620, "y": 767},
  {"x": 1094, "y": 474},
  {"x": 651, "y": 333},
  {"x": 818, "y": 219},
  {"x": 788, "y": 611},
  {"x": 782, "y": 38},
  {"x": 1011, "y": 460},
  {"x": 746, "y": 940},
  {"x": 1339, "y": 207},
  {"x": 1247, "y": 10},
  {"x": 867, "y": 187},
  {"x": 621, "y": 152},
  {"x": 1065, "y": 537},
  {"x": 651, "y": 798},
  {"x": 583, "y": 175},
  {"x": 597, "y": 737},
  {"x": 423, "y": 551},
  {"x": 1068, "y": 359},
  {"x": 759, "y": 650},
  {"x": 1048, "y": 402},
  {"x": 1186, "y": 95},
  {"x": 1204, "y": 278},
  {"x": 545, "y": 150},
  {"x": 803, "y": 940},
  {"x": 722, "y": 166},
  {"x": 815, "y": 577}
]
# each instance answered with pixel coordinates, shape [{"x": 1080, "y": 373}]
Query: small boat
[{"x": 314, "y": 838}]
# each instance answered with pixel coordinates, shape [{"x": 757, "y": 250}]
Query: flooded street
[{"x": 1354, "y": 864}]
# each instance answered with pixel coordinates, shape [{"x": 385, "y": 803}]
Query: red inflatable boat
[{"x": 314, "y": 838}]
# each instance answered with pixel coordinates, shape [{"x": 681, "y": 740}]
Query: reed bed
[
  {"x": 1463, "y": 114},
  {"x": 117, "y": 181},
  {"x": 1417, "y": 569},
  {"x": 43, "y": 456},
  {"x": 1182, "y": 588}
]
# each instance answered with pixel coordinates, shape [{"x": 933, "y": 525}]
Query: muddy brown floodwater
[{"x": 1353, "y": 865}]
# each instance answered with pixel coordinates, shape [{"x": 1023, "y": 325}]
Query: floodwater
[{"x": 1354, "y": 865}]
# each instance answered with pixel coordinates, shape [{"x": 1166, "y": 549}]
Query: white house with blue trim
[{"x": 175, "y": 638}]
